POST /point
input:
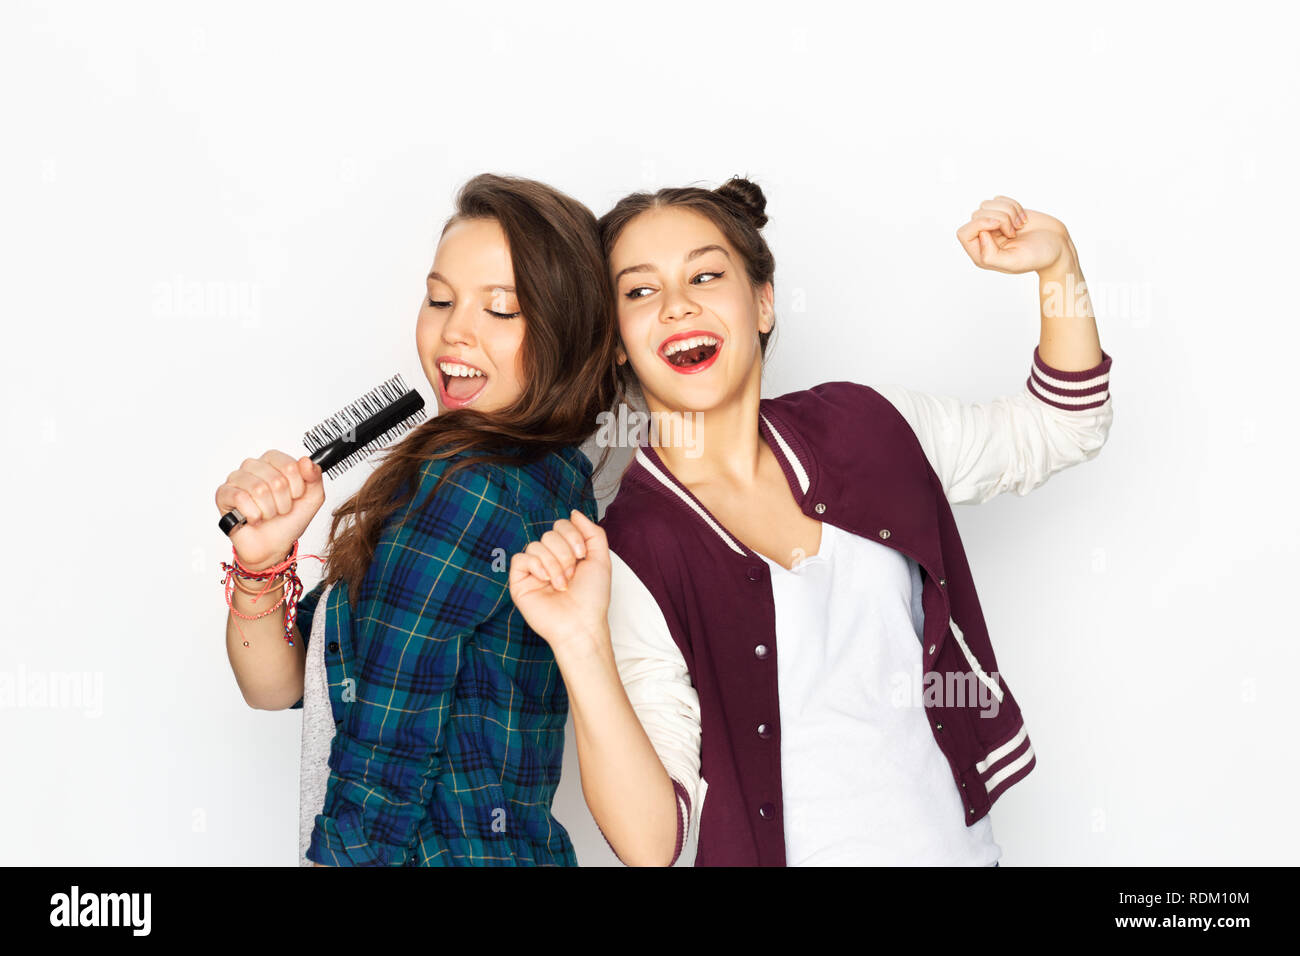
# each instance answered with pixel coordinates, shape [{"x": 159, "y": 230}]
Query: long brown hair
[
  {"x": 738, "y": 208},
  {"x": 568, "y": 350}
]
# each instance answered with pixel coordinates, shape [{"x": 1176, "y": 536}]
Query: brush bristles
[{"x": 350, "y": 417}]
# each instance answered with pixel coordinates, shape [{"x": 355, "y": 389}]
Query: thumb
[
  {"x": 309, "y": 470},
  {"x": 991, "y": 255},
  {"x": 593, "y": 535}
]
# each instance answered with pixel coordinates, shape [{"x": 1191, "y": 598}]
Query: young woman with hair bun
[{"x": 773, "y": 639}]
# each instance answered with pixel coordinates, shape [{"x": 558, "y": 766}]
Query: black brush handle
[
  {"x": 390, "y": 416},
  {"x": 327, "y": 456}
]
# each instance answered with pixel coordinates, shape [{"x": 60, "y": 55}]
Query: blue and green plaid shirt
[{"x": 449, "y": 709}]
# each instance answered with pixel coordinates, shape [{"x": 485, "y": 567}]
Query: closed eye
[{"x": 443, "y": 304}]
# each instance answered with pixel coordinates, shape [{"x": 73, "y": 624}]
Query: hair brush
[{"x": 355, "y": 431}]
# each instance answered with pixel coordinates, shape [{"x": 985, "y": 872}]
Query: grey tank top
[{"x": 317, "y": 732}]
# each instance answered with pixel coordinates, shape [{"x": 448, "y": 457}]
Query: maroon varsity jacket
[{"x": 852, "y": 459}]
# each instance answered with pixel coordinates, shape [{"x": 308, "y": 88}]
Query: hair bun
[{"x": 747, "y": 195}]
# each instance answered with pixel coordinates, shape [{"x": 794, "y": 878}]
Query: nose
[
  {"x": 677, "y": 303},
  {"x": 459, "y": 327}
]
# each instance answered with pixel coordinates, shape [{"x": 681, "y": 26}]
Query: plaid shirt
[{"x": 449, "y": 709}]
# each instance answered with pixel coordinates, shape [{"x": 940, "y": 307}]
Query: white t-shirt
[{"x": 863, "y": 781}]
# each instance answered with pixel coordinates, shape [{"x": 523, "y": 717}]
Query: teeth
[
  {"x": 461, "y": 371},
  {"x": 681, "y": 345}
]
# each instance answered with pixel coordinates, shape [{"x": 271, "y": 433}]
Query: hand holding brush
[
  {"x": 268, "y": 502},
  {"x": 274, "y": 487}
]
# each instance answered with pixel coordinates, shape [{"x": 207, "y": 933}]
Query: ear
[{"x": 766, "y": 312}]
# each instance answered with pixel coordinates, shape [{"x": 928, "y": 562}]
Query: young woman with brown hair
[{"x": 433, "y": 715}]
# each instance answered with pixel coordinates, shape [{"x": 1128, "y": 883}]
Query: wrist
[
  {"x": 242, "y": 572},
  {"x": 257, "y": 569},
  {"x": 584, "y": 646},
  {"x": 1066, "y": 264},
  {"x": 244, "y": 568}
]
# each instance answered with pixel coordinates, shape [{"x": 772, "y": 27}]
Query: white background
[{"x": 216, "y": 224}]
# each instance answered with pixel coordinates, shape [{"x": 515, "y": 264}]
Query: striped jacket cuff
[
  {"x": 683, "y": 816},
  {"x": 1072, "y": 391}
]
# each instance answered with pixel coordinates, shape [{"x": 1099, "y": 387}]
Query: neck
[{"x": 725, "y": 441}]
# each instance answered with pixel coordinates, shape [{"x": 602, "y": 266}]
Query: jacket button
[
  {"x": 931, "y": 648},
  {"x": 884, "y": 533},
  {"x": 963, "y": 784},
  {"x": 754, "y": 574},
  {"x": 767, "y": 811},
  {"x": 942, "y": 582},
  {"x": 760, "y": 651},
  {"x": 334, "y": 647},
  {"x": 938, "y": 726},
  {"x": 764, "y": 731},
  {"x": 819, "y": 508}
]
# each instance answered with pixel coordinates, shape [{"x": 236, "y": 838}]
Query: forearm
[
  {"x": 1068, "y": 339},
  {"x": 626, "y": 787},
  {"x": 268, "y": 671}
]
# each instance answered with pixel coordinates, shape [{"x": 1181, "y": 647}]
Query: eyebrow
[
  {"x": 694, "y": 253},
  {"x": 487, "y": 288}
]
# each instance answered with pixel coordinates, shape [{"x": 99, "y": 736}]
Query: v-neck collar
[
  {"x": 825, "y": 547},
  {"x": 797, "y": 463}
]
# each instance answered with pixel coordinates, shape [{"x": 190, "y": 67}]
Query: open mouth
[
  {"x": 459, "y": 384},
  {"x": 691, "y": 352}
]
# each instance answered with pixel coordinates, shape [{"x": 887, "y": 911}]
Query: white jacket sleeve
[
  {"x": 658, "y": 684},
  {"x": 1013, "y": 443}
]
